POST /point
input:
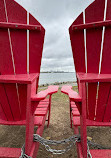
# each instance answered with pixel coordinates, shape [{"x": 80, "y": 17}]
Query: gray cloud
[{"x": 56, "y": 16}]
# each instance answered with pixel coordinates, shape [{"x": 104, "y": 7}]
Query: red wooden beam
[
  {"x": 43, "y": 94},
  {"x": 10, "y": 152},
  {"x": 19, "y": 78},
  {"x": 72, "y": 94},
  {"x": 20, "y": 26},
  {"x": 91, "y": 25},
  {"x": 93, "y": 77}
]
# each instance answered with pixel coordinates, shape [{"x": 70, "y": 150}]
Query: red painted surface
[
  {"x": 75, "y": 112},
  {"x": 106, "y": 57},
  {"x": 94, "y": 88},
  {"x": 83, "y": 130},
  {"x": 77, "y": 39},
  {"x": 91, "y": 105},
  {"x": 6, "y": 66},
  {"x": 103, "y": 97},
  {"x": 50, "y": 97},
  {"x": 70, "y": 108},
  {"x": 94, "y": 25},
  {"x": 93, "y": 45},
  {"x": 40, "y": 113},
  {"x": 36, "y": 41},
  {"x": 94, "y": 36},
  {"x": 20, "y": 78},
  {"x": 18, "y": 37},
  {"x": 93, "y": 77},
  {"x": 72, "y": 94},
  {"x": 107, "y": 114},
  {"x": 35, "y": 146},
  {"x": 43, "y": 94},
  {"x": 101, "y": 153},
  {"x": 76, "y": 122},
  {"x": 18, "y": 26},
  {"x": 102, "y": 103},
  {"x": 10, "y": 152},
  {"x": 79, "y": 149},
  {"x": 5, "y": 110},
  {"x": 16, "y": 86}
]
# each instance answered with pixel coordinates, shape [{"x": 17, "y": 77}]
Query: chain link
[
  {"x": 88, "y": 152},
  {"x": 58, "y": 152},
  {"x": 94, "y": 145},
  {"x": 23, "y": 155},
  {"x": 70, "y": 141},
  {"x": 40, "y": 139},
  {"x": 97, "y": 145}
]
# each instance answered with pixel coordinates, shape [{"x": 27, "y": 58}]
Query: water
[{"x": 51, "y": 78}]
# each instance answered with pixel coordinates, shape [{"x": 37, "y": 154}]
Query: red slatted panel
[
  {"x": 94, "y": 36},
  {"x": 92, "y": 90},
  {"x": 93, "y": 45},
  {"x": 77, "y": 43},
  {"x": 5, "y": 104},
  {"x": 2, "y": 12},
  {"x": 13, "y": 100},
  {"x": 106, "y": 58},
  {"x": 16, "y": 94},
  {"x": 107, "y": 116},
  {"x": 10, "y": 152},
  {"x": 6, "y": 66},
  {"x": 18, "y": 37},
  {"x": 103, "y": 95},
  {"x": 2, "y": 114},
  {"x": 33, "y": 92},
  {"x": 19, "y": 48},
  {"x": 23, "y": 99},
  {"x": 106, "y": 68},
  {"x": 33, "y": 88},
  {"x": 36, "y": 40}
]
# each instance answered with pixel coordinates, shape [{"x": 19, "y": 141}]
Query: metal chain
[
  {"x": 97, "y": 145},
  {"x": 88, "y": 152},
  {"x": 72, "y": 140},
  {"x": 89, "y": 142},
  {"x": 23, "y": 155},
  {"x": 58, "y": 152},
  {"x": 40, "y": 139},
  {"x": 69, "y": 141}
]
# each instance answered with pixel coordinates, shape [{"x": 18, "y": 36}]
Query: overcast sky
[{"x": 56, "y": 16}]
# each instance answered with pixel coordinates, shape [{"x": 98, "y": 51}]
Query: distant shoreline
[
  {"x": 56, "y": 72},
  {"x": 59, "y": 83}
]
